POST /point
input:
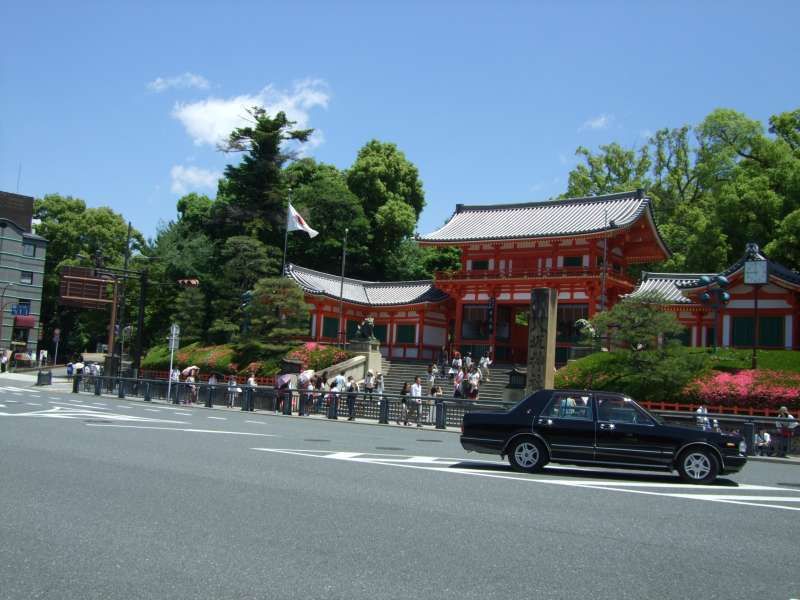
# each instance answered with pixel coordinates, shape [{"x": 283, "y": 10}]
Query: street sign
[
  {"x": 174, "y": 336},
  {"x": 755, "y": 272}
]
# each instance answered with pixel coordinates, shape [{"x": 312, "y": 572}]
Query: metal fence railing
[{"x": 384, "y": 408}]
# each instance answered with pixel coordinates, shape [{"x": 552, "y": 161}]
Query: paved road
[{"x": 105, "y": 498}]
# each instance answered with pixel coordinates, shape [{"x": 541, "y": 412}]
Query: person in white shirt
[
  {"x": 702, "y": 420},
  {"x": 484, "y": 366},
  {"x": 369, "y": 385},
  {"x": 416, "y": 399},
  {"x": 785, "y": 432},
  {"x": 763, "y": 443}
]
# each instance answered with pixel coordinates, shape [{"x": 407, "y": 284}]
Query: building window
[
  {"x": 330, "y": 327},
  {"x": 26, "y": 277},
  {"x": 20, "y": 336},
  {"x": 566, "y": 315},
  {"x": 380, "y": 332},
  {"x": 573, "y": 261},
  {"x": 480, "y": 265},
  {"x": 475, "y": 322},
  {"x": 406, "y": 334},
  {"x": 23, "y": 307},
  {"x": 770, "y": 331},
  {"x": 28, "y": 250}
]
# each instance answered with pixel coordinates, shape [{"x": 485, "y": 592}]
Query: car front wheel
[
  {"x": 698, "y": 466},
  {"x": 527, "y": 455}
]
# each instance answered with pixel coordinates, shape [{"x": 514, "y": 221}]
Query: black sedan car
[{"x": 602, "y": 429}]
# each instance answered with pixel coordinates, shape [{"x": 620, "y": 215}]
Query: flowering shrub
[
  {"x": 316, "y": 356},
  {"x": 746, "y": 388}
]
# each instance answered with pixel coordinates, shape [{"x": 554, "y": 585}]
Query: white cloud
[
  {"x": 210, "y": 121},
  {"x": 186, "y": 80},
  {"x": 189, "y": 179},
  {"x": 598, "y": 122}
]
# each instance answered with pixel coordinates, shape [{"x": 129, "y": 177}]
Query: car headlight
[{"x": 742, "y": 447}]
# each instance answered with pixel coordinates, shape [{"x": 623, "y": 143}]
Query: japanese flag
[{"x": 294, "y": 222}]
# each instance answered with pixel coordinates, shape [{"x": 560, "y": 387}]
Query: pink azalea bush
[
  {"x": 316, "y": 356},
  {"x": 746, "y": 388}
]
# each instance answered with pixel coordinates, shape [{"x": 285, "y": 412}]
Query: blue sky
[{"x": 120, "y": 103}]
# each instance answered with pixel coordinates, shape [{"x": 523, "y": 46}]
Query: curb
[{"x": 791, "y": 460}]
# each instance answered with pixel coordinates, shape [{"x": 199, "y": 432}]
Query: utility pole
[
  {"x": 342, "y": 328},
  {"x": 122, "y": 294}
]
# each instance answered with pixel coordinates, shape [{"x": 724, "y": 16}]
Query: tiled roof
[
  {"x": 370, "y": 293},
  {"x": 666, "y": 285},
  {"x": 774, "y": 269},
  {"x": 543, "y": 219}
]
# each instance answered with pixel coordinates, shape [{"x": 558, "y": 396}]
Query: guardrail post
[
  {"x": 97, "y": 386},
  {"x": 441, "y": 415},
  {"x": 287, "y": 402},
  {"x": 76, "y": 383},
  {"x": 209, "y": 393},
  {"x": 120, "y": 388},
  {"x": 247, "y": 398},
  {"x": 383, "y": 410},
  {"x": 333, "y": 407},
  {"x": 175, "y": 390},
  {"x": 748, "y": 433},
  {"x": 301, "y": 399},
  {"x": 147, "y": 391}
]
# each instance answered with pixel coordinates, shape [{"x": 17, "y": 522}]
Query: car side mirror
[{"x": 529, "y": 411}]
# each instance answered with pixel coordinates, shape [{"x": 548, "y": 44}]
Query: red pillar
[
  {"x": 420, "y": 333},
  {"x": 318, "y": 335},
  {"x": 459, "y": 317}
]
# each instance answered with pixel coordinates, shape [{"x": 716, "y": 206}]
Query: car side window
[
  {"x": 569, "y": 406},
  {"x": 620, "y": 410}
]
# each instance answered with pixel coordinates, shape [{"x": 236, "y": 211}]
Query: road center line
[{"x": 219, "y": 418}]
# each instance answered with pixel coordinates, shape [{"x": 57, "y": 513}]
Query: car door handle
[
  {"x": 607, "y": 426},
  {"x": 545, "y": 421}
]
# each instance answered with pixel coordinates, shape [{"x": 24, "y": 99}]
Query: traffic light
[
  {"x": 247, "y": 298},
  {"x": 187, "y": 283}
]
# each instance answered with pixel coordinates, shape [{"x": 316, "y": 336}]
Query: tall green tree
[
  {"x": 73, "y": 229},
  {"x": 251, "y": 198}
]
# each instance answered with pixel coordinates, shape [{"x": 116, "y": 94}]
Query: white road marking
[
  {"x": 445, "y": 466},
  {"x": 180, "y": 429},
  {"x": 54, "y": 398},
  {"x": 153, "y": 410},
  {"x": 85, "y": 412},
  {"x": 33, "y": 404},
  {"x": 256, "y": 422},
  {"x": 34, "y": 395},
  {"x": 219, "y": 418},
  {"x": 2, "y": 405},
  {"x": 177, "y": 412},
  {"x": 13, "y": 401},
  {"x": 99, "y": 403},
  {"x": 16, "y": 393}
]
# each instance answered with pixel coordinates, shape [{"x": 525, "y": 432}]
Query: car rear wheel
[
  {"x": 527, "y": 455},
  {"x": 698, "y": 466}
]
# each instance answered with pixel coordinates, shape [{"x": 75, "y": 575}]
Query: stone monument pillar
[{"x": 542, "y": 339}]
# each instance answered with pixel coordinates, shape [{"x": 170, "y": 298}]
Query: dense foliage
[{"x": 715, "y": 186}]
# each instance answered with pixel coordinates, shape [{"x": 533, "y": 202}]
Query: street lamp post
[
  {"x": 715, "y": 297},
  {"x": 756, "y": 274}
]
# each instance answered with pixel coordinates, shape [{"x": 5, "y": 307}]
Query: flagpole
[
  {"x": 286, "y": 234},
  {"x": 342, "y": 329}
]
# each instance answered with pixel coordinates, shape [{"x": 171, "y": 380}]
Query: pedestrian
[
  {"x": 70, "y": 368},
  {"x": 764, "y": 443},
  {"x": 192, "y": 388},
  {"x": 310, "y": 395},
  {"x": 468, "y": 360},
  {"x": 415, "y": 403},
  {"x": 433, "y": 371},
  {"x": 785, "y": 432},
  {"x": 484, "y": 365},
  {"x": 369, "y": 385},
  {"x": 322, "y": 386},
  {"x": 474, "y": 382},
  {"x": 403, "y": 404},
  {"x": 232, "y": 389},
  {"x": 458, "y": 379},
  {"x": 352, "y": 394}
]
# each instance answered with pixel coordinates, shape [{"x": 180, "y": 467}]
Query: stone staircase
[{"x": 397, "y": 372}]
